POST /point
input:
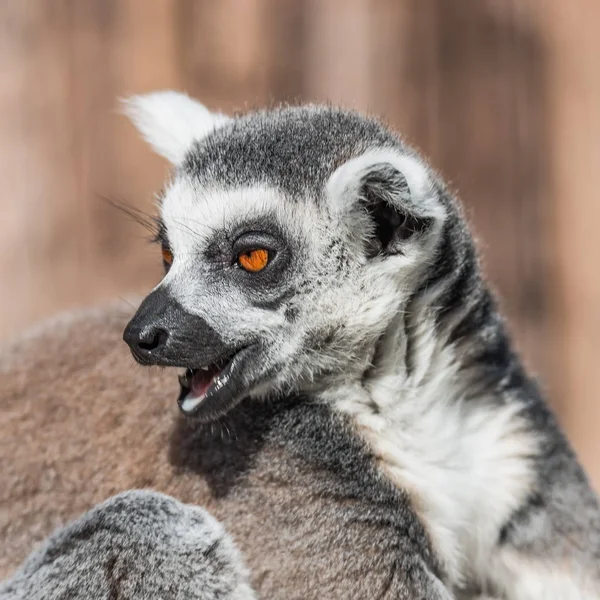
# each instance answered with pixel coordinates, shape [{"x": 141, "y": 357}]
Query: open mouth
[
  {"x": 196, "y": 383},
  {"x": 211, "y": 390}
]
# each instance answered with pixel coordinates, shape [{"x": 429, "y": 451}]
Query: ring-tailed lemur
[
  {"x": 308, "y": 250},
  {"x": 136, "y": 545},
  {"x": 323, "y": 294}
]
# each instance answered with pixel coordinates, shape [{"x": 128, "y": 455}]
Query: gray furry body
[
  {"x": 136, "y": 545},
  {"x": 372, "y": 353},
  {"x": 293, "y": 485}
]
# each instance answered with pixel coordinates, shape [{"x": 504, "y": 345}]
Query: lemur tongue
[{"x": 202, "y": 380}]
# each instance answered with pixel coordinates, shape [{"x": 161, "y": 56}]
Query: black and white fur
[
  {"x": 136, "y": 545},
  {"x": 378, "y": 308}
]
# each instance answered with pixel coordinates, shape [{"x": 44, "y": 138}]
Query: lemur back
[
  {"x": 360, "y": 415},
  {"x": 290, "y": 483}
]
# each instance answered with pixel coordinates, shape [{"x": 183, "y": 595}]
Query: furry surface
[
  {"x": 291, "y": 483},
  {"x": 136, "y": 545}
]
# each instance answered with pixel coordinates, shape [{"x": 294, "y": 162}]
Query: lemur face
[{"x": 290, "y": 240}]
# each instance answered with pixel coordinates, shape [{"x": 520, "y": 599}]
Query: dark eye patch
[
  {"x": 278, "y": 259},
  {"x": 267, "y": 287}
]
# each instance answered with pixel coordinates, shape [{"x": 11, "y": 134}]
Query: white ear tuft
[
  {"x": 394, "y": 192},
  {"x": 347, "y": 178},
  {"x": 171, "y": 121}
]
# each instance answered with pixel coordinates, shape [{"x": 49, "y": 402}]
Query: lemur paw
[{"x": 136, "y": 545}]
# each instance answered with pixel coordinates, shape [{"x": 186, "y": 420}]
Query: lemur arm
[{"x": 139, "y": 544}]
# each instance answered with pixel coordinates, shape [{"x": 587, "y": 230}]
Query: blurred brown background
[{"x": 502, "y": 95}]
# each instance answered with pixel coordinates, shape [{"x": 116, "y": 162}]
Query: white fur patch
[
  {"x": 460, "y": 458},
  {"x": 171, "y": 121},
  {"x": 522, "y": 577},
  {"x": 343, "y": 184}
]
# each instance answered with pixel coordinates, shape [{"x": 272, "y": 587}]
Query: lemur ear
[
  {"x": 171, "y": 121},
  {"x": 390, "y": 198}
]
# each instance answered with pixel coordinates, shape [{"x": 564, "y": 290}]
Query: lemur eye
[
  {"x": 167, "y": 255},
  {"x": 253, "y": 260}
]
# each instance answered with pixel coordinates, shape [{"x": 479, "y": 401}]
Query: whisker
[
  {"x": 149, "y": 222},
  {"x": 127, "y": 302}
]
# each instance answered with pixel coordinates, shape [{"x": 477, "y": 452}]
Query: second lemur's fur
[
  {"x": 136, "y": 545},
  {"x": 365, "y": 304},
  {"x": 289, "y": 480}
]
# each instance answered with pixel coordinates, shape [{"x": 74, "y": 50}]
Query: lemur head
[{"x": 292, "y": 238}]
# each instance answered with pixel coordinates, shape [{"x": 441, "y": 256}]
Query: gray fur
[
  {"x": 136, "y": 545},
  {"x": 294, "y": 149}
]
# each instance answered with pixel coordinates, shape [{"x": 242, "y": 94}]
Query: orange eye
[
  {"x": 167, "y": 255},
  {"x": 254, "y": 260}
]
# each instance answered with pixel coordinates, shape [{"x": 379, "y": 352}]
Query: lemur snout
[
  {"x": 163, "y": 333},
  {"x": 148, "y": 333}
]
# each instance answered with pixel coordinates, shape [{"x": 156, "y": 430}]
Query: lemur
[{"x": 355, "y": 413}]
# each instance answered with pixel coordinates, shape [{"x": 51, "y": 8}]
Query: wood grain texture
[{"x": 573, "y": 239}]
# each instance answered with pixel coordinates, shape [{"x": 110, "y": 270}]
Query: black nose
[
  {"x": 163, "y": 333},
  {"x": 143, "y": 341},
  {"x": 148, "y": 333}
]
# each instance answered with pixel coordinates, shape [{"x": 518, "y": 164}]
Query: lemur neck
[{"x": 441, "y": 411}]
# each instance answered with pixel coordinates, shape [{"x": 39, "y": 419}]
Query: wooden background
[{"x": 502, "y": 95}]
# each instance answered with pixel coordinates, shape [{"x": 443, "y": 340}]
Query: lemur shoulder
[{"x": 323, "y": 294}]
